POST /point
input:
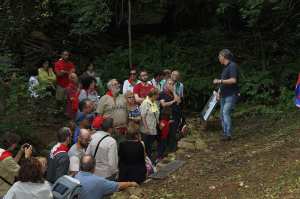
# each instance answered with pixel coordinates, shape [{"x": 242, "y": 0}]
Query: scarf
[
  {"x": 109, "y": 93},
  {"x": 4, "y": 154},
  {"x": 153, "y": 106},
  {"x": 57, "y": 149}
]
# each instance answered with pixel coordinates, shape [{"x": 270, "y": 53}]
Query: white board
[{"x": 209, "y": 107}]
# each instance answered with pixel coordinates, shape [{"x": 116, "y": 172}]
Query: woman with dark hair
[
  {"x": 30, "y": 184},
  {"x": 46, "y": 76},
  {"x": 132, "y": 165},
  {"x": 89, "y": 90}
]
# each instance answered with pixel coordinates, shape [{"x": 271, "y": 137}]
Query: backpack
[{"x": 66, "y": 187}]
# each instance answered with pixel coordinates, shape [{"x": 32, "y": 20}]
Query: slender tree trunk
[{"x": 129, "y": 34}]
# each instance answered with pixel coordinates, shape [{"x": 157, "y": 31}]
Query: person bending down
[{"x": 94, "y": 186}]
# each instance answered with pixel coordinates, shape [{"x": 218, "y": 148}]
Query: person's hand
[
  {"x": 217, "y": 95},
  {"x": 28, "y": 151},
  {"x": 134, "y": 184},
  {"x": 217, "y": 81}
]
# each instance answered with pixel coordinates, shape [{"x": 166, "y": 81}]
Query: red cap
[{"x": 97, "y": 122}]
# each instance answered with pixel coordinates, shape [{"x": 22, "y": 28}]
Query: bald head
[
  {"x": 84, "y": 138},
  {"x": 87, "y": 163}
]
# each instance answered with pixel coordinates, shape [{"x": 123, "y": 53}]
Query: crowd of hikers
[
  {"x": 114, "y": 139},
  {"x": 113, "y": 142}
]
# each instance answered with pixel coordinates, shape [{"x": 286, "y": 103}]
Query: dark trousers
[
  {"x": 161, "y": 147},
  {"x": 148, "y": 141},
  {"x": 172, "y": 139}
]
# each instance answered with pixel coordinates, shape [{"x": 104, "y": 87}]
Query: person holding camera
[{"x": 9, "y": 166}]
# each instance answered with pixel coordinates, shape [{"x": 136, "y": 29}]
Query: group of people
[{"x": 110, "y": 142}]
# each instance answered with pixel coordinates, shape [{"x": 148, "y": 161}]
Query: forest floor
[{"x": 263, "y": 161}]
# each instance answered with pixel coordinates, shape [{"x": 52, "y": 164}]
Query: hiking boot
[{"x": 226, "y": 138}]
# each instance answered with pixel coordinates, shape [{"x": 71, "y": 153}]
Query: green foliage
[{"x": 86, "y": 16}]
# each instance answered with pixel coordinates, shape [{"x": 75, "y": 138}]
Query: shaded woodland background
[{"x": 185, "y": 35}]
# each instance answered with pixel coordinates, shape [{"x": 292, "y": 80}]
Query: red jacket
[{"x": 68, "y": 66}]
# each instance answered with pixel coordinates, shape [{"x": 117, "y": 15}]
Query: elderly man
[
  {"x": 78, "y": 150},
  {"x": 113, "y": 105},
  {"x": 94, "y": 186},
  {"x": 229, "y": 91},
  {"x": 63, "y": 68},
  {"x": 103, "y": 148}
]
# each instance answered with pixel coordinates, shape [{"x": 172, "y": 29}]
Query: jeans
[{"x": 227, "y": 106}]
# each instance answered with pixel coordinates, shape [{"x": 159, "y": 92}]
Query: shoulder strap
[
  {"x": 4, "y": 180},
  {"x": 99, "y": 144}
]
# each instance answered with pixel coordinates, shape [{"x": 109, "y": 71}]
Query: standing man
[
  {"x": 58, "y": 160},
  {"x": 156, "y": 80},
  {"x": 229, "y": 91},
  {"x": 63, "y": 68},
  {"x": 142, "y": 89},
  {"x": 113, "y": 105},
  {"x": 78, "y": 150},
  {"x": 104, "y": 149}
]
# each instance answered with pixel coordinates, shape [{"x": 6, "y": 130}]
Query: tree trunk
[{"x": 129, "y": 34}]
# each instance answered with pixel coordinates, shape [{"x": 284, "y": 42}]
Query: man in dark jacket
[{"x": 58, "y": 160}]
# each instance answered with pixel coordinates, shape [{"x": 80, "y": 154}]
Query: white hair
[{"x": 110, "y": 82}]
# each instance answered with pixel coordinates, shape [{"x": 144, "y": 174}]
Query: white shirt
[
  {"x": 128, "y": 87},
  {"x": 107, "y": 154},
  {"x": 75, "y": 154},
  {"x": 29, "y": 190}
]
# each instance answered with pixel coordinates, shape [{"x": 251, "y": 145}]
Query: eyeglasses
[{"x": 130, "y": 97}]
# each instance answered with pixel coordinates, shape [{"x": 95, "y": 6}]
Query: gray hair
[
  {"x": 109, "y": 83},
  {"x": 226, "y": 54}
]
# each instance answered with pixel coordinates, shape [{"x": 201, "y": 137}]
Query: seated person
[
  {"x": 30, "y": 184},
  {"x": 46, "y": 77},
  {"x": 94, "y": 186},
  {"x": 89, "y": 90},
  {"x": 132, "y": 166}
]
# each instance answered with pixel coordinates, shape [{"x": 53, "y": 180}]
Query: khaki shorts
[{"x": 60, "y": 93}]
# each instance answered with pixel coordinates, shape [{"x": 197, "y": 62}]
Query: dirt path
[{"x": 262, "y": 162}]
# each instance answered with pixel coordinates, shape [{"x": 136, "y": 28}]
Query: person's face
[
  {"x": 73, "y": 77},
  {"x": 92, "y": 85},
  {"x": 65, "y": 55},
  {"x": 170, "y": 85},
  {"x": 91, "y": 67},
  {"x": 133, "y": 74},
  {"x": 115, "y": 87},
  {"x": 144, "y": 76},
  {"x": 221, "y": 59},
  {"x": 130, "y": 99},
  {"x": 88, "y": 107},
  {"x": 175, "y": 76},
  {"x": 46, "y": 64},
  {"x": 84, "y": 140}
]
